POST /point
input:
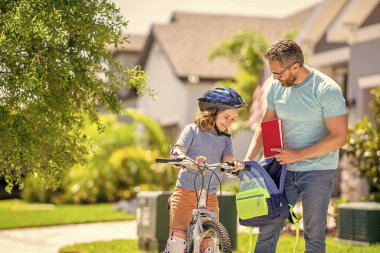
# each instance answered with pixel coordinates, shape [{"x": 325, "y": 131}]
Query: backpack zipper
[{"x": 250, "y": 197}]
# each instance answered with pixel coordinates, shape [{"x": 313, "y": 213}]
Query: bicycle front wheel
[{"x": 218, "y": 235}]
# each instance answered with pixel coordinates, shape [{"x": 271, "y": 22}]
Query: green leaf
[{"x": 53, "y": 55}]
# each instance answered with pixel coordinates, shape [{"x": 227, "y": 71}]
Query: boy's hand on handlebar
[
  {"x": 238, "y": 165},
  {"x": 200, "y": 159}
]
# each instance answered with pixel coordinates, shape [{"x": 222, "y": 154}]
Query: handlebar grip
[{"x": 168, "y": 160}]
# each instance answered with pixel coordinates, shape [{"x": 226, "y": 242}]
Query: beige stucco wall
[{"x": 169, "y": 106}]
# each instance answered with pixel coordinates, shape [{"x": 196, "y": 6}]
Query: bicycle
[{"x": 203, "y": 224}]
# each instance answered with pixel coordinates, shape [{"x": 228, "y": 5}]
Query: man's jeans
[{"x": 314, "y": 188}]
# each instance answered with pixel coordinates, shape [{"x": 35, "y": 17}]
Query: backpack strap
[
  {"x": 293, "y": 219},
  {"x": 250, "y": 234}
]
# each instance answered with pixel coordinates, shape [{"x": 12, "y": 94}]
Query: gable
[
  {"x": 324, "y": 45},
  {"x": 189, "y": 38}
]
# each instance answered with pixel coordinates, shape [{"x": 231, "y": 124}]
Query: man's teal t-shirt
[{"x": 302, "y": 109}]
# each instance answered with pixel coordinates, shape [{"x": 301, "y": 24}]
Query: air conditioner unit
[{"x": 359, "y": 222}]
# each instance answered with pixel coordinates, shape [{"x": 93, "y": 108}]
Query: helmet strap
[{"x": 220, "y": 133}]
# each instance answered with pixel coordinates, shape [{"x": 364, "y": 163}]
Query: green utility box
[
  {"x": 228, "y": 215},
  {"x": 359, "y": 222},
  {"x": 152, "y": 216}
]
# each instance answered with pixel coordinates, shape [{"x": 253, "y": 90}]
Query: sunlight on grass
[
  {"x": 286, "y": 242},
  {"x": 33, "y": 207},
  {"x": 17, "y": 213},
  {"x": 114, "y": 246},
  {"x": 285, "y": 245}
]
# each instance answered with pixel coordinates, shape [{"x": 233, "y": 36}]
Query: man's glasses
[{"x": 278, "y": 75}]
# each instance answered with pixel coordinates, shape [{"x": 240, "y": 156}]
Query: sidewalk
[{"x": 51, "y": 239}]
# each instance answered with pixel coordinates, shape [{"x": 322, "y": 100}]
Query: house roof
[
  {"x": 188, "y": 39},
  {"x": 316, "y": 25},
  {"x": 141, "y": 14},
  {"x": 187, "y": 48},
  {"x": 337, "y": 20},
  {"x": 351, "y": 18},
  {"x": 135, "y": 45}
]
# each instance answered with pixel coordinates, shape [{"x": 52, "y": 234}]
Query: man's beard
[{"x": 289, "y": 82}]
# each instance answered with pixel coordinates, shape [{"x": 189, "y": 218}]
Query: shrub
[
  {"x": 364, "y": 146},
  {"x": 122, "y": 163}
]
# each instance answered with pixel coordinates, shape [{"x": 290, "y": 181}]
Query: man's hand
[{"x": 286, "y": 156}]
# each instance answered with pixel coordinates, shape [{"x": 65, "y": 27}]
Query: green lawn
[
  {"x": 285, "y": 245},
  {"x": 17, "y": 213},
  {"x": 114, "y": 246}
]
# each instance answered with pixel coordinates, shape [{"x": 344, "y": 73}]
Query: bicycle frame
[{"x": 200, "y": 215}]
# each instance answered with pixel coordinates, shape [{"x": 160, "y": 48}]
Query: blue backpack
[{"x": 261, "y": 199}]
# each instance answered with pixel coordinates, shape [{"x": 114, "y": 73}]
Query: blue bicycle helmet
[{"x": 220, "y": 98}]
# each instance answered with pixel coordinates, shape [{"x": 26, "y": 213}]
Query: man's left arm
[{"x": 336, "y": 126}]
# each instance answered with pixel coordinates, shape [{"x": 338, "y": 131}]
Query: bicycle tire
[{"x": 221, "y": 233}]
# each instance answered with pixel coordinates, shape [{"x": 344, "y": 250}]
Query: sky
[{"x": 142, "y": 13}]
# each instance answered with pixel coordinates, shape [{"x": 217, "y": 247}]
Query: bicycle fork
[{"x": 200, "y": 215}]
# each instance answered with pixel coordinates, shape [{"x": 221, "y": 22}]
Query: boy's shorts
[{"x": 182, "y": 204}]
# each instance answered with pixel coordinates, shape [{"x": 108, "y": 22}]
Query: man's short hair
[{"x": 285, "y": 51}]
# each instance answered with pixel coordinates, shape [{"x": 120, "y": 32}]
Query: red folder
[{"x": 272, "y": 136}]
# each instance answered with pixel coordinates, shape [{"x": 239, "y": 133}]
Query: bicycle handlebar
[{"x": 228, "y": 166}]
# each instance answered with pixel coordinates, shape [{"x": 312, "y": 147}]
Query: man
[{"x": 314, "y": 122}]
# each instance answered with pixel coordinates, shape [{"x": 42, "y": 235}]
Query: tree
[
  {"x": 364, "y": 146},
  {"x": 247, "y": 50},
  {"x": 56, "y": 69}
]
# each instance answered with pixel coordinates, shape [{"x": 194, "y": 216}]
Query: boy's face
[{"x": 225, "y": 118}]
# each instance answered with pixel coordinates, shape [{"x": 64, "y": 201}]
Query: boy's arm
[
  {"x": 228, "y": 158},
  {"x": 179, "y": 151}
]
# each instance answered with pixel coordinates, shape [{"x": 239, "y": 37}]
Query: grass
[
  {"x": 113, "y": 246},
  {"x": 18, "y": 214},
  {"x": 285, "y": 245}
]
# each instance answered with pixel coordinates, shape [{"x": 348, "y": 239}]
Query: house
[
  {"x": 128, "y": 54},
  {"x": 176, "y": 58},
  {"x": 342, "y": 39}
]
